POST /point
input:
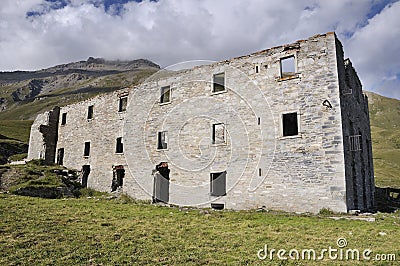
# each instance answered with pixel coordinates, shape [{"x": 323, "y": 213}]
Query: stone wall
[
  {"x": 36, "y": 149},
  {"x": 303, "y": 173},
  {"x": 43, "y": 136},
  {"x": 360, "y": 185}
]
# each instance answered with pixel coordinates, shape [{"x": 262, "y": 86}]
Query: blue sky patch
[
  {"x": 378, "y": 7},
  {"x": 115, "y": 5}
]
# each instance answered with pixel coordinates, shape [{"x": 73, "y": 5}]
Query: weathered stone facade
[
  {"x": 43, "y": 136},
  {"x": 285, "y": 128}
]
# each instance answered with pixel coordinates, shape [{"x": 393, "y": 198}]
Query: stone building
[{"x": 285, "y": 128}]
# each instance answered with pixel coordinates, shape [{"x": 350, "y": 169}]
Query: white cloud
[
  {"x": 171, "y": 31},
  {"x": 375, "y": 52}
]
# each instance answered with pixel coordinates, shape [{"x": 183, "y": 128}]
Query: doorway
[
  {"x": 85, "y": 175},
  {"x": 118, "y": 177},
  {"x": 161, "y": 183}
]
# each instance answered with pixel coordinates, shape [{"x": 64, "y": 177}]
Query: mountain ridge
[
  {"x": 90, "y": 64},
  {"x": 72, "y": 82}
]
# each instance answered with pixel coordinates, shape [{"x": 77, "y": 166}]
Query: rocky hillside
[{"x": 23, "y": 94}]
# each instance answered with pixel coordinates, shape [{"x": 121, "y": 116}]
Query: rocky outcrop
[
  {"x": 65, "y": 183},
  {"x": 30, "y": 91},
  {"x": 3, "y": 104}
]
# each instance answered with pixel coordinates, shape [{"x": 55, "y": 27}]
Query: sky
[{"x": 36, "y": 34}]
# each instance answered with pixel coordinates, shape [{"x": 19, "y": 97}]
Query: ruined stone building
[{"x": 285, "y": 128}]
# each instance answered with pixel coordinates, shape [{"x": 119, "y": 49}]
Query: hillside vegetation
[{"x": 385, "y": 129}]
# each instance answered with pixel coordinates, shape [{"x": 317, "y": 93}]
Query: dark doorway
[
  {"x": 85, "y": 175},
  {"x": 161, "y": 183},
  {"x": 118, "y": 177},
  {"x": 60, "y": 156}
]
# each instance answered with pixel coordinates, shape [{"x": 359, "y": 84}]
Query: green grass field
[
  {"x": 16, "y": 129},
  {"x": 98, "y": 231}
]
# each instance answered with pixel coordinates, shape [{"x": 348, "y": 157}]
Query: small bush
[{"x": 325, "y": 211}]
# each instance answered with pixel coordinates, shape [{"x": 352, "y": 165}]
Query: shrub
[{"x": 325, "y": 211}]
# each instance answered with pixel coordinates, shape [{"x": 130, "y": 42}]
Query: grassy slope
[
  {"x": 14, "y": 138},
  {"x": 106, "y": 232},
  {"x": 385, "y": 127},
  {"x": 16, "y": 129}
]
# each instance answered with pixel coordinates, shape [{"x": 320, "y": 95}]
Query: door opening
[
  {"x": 161, "y": 183},
  {"x": 118, "y": 177},
  {"x": 85, "y": 175}
]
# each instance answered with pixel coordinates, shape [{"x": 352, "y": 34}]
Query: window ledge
[
  {"x": 162, "y": 149},
  {"x": 218, "y": 144},
  {"x": 119, "y": 153},
  {"x": 86, "y": 156},
  {"x": 299, "y": 136},
  {"x": 165, "y": 103},
  {"x": 297, "y": 76},
  {"x": 218, "y": 92},
  {"x": 217, "y": 196}
]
